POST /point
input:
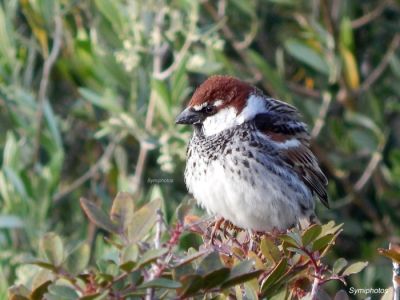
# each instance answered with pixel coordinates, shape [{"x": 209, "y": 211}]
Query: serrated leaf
[
  {"x": 161, "y": 283},
  {"x": 97, "y": 216},
  {"x": 355, "y": 268},
  {"x": 339, "y": 265},
  {"x": 52, "y": 247},
  {"x": 274, "y": 275},
  {"x": 143, "y": 220},
  {"x": 78, "y": 260},
  {"x": 311, "y": 234},
  {"x": 241, "y": 273}
]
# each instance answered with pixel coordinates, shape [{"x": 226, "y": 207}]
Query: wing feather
[{"x": 283, "y": 127}]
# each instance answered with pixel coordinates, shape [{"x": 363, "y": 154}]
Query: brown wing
[
  {"x": 281, "y": 128},
  {"x": 305, "y": 164}
]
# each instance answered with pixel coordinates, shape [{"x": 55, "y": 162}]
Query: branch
[
  {"x": 44, "y": 82},
  {"x": 323, "y": 111},
  {"x": 93, "y": 170},
  {"x": 369, "y": 17},
  {"x": 377, "y": 72}
]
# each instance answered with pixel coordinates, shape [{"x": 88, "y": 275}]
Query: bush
[
  {"x": 144, "y": 259},
  {"x": 89, "y": 91}
]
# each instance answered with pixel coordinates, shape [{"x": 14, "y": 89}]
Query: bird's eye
[{"x": 209, "y": 109}]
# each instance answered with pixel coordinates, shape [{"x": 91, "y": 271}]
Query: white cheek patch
[
  {"x": 222, "y": 120},
  {"x": 255, "y": 105}
]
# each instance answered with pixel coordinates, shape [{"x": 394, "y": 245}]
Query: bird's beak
[{"x": 189, "y": 116}]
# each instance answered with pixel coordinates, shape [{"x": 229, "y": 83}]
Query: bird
[{"x": 249, "y": 159}]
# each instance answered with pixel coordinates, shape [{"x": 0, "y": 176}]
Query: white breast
[{"x": 256, "y": 199}]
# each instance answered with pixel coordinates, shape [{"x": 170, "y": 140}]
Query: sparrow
[{"x": 249, "y": 159}]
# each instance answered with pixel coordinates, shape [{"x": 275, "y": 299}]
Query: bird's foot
[{"x": 217, "y": 225}]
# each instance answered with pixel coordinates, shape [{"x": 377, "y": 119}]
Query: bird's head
[{"x": 221, "y": 102}]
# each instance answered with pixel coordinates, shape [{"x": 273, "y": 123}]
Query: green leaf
[
  {"x": 215, "y": 277},
  {"x": 78, "y": 260},
  {"x": 63, "y": 292},
  {"x": 355, "y": 268},
  {"x": 150, "y": 256},
  {"x": 18, "y": 292},
  {"x": 96, "y": 296},
  {"x": 39, "y": 291},
  {"x": 307, "y": 55},
  {"x": 241, "y": 273},
  {"x": 270, "y": 250},
  {"x": 97, "y": 216},
  {"x": 129, "y": 256},
  {"x": 11, "y": 221},
  {"x": 122, "y": 211},
  {"x": 191, "y": 285},
  {"x": 339, "y": 265},
  {"x": 112, "y": 13},
  {"x": 210, "y": 263},
  {"x": 298, "y": 251},
  {"x": 274, "y": 275},
  {"x": 212, "y": 270},
  {"x": 52, "y": 247},
  {"x": 268, "y": 71},
  {"x": 104, "y": 102},
  {"x": 143, "y": 220},
  {"x": 161, "y": 283},
  {"x": 322, "y": 242},
  {"x": 311, "y": 234},
  {"x": 42, "y": 264}
]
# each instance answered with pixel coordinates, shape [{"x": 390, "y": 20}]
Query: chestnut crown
[{"x": 214, "y": 95}]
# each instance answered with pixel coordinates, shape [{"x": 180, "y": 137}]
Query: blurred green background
[{"x": 89, "y": 91}]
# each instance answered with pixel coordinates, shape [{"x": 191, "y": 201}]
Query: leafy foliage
[
  {"x": 89, "y": 91},
  {"x": 149, "y": 263}
]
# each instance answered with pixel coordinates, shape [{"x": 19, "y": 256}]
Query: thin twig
[
  {"x": 369, "y": 17},
  {"x": 302, "y": 90},
  {"x": 157, "y": 67},
  {"x": 93, "y": 170},
  {"x": 323, "y": 111},
  {"x": 371, "y": 167},
  {"x": 377, "y": 72},
  {"x": 177, "y": 60},
  {"x": 44, "y": 82},
  {"x": 238, "y": 46}
]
